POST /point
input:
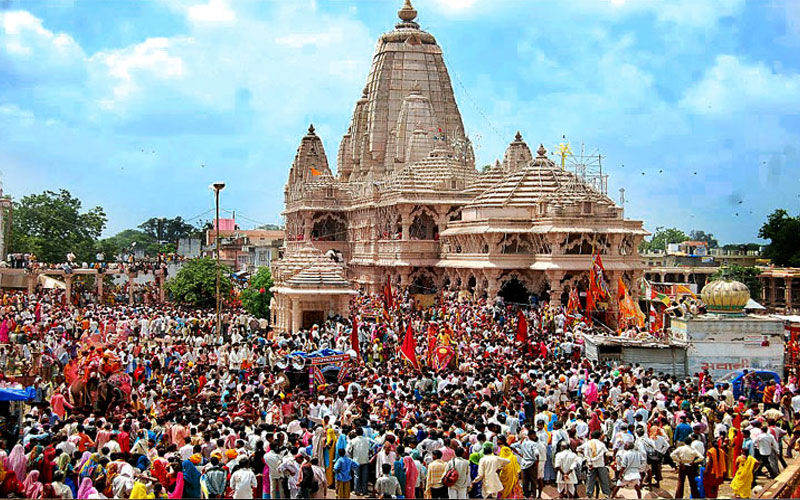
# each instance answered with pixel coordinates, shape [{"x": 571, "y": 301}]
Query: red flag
[
  {"x": 354, "y": 338},
  {"x": 409, "y": 348},
  {"x": 522, "y": 327},
  {"x": 38, "y": 311}
]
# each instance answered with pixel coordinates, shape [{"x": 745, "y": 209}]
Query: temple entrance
[
  {"x": 422, "y": 284},
  {"x": 514, "y": 292},
  {"x": 311, "y": 318}
]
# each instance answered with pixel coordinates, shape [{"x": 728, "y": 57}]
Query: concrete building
[
  {"x": 780, "y": 291},
  {"x": 407, "y": 205},
  {"x": 661, "y": 357},
  {"x": 245, "y": 249},
  {"x": 726, "y": 339}
]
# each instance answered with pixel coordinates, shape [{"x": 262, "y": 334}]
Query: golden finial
[{"x": 407, "y": 14}]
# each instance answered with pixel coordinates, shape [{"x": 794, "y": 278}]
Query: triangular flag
[
  {"x": 522, "y": 327},
  {"x": 409, "y": 348},
  {"x": 315, "y": 172},
  {"x": 354, "y": 341}
]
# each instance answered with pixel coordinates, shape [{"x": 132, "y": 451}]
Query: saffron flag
[
  {"x": 522, "y": 327},
  {"x": 432, "y": 335},
  {"x": 409, "y": 348},
  {"x": 354, "y": 343},
  {"x": 574, "y": 303},
  {"x": 315, "y": 172},
  {"x": 628, "y": 310},
  {"x": 685, "y": 290},
  {"x": 387, "y": 293}
]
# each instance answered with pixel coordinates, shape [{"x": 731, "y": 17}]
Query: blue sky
[{"x": 138, "y": 105}]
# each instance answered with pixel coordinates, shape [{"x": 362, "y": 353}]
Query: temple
[{"x": 406, "y": 204}]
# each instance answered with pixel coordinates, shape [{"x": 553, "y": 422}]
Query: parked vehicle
[{"x": 740, "y": 387}]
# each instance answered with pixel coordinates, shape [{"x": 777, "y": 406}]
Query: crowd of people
[{"x": 153, "y": 401}]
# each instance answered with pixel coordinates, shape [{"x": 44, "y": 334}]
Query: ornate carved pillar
[
  {"x": 297, "y": 316},
  {"x": 554, "y": 278},
  {"x": 614, "y": 242},
  {"x": 405, "y": 222},
  {"x": 131, "y": 277},
  {"x": 308, "y": 225},
  {"x": 32, "y": 278},
  {"x": 68, "y": 289},
  {"x": 493, "y": 283},
  {"x": 787, "y": 293},
  {"x": 98, "y": 277},
  {"x": 773, "y": 291},
  {"x": 405, "y": 274}
]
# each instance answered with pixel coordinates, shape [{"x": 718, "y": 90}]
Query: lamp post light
[{"x": 217, "y": 187}]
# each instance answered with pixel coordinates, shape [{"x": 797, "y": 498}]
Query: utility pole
[{"x": 217, "y": 186}]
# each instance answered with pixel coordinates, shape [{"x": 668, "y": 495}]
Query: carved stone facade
[{"x": 407, "y": 204}]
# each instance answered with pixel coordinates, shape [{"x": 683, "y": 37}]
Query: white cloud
[
  {"x": 455, "y": 5},
  {"x": 215, "y": 11},
  {"x": 33, "y": 52},
  {"x": 122, "y": 72},
  {"x": 734, "y": 86}
]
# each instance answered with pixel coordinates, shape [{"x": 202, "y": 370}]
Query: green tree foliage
[
  {"x": 195, "y": 283},
  {"x": 167, "y": 230},
  {"x": 742, "y": 247},
  {"x": 51, "y": 224},
  {"x": 747, "y": 275},
  {"x": 256, "y": 297},
  {"x": 697, "y": 235},
  {"x": 124, "y": 240},
  {"x": 783, "y": 232},
  {"x": 661, "y": 238}
]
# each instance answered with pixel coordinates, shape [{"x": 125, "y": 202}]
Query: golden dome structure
[{"x": 725, "y": 296}]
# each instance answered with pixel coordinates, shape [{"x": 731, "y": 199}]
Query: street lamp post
[{"x": 217, "y": 186}]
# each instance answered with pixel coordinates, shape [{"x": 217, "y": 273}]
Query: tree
[
  {"x": 51, "y": 225},
  {"x": 166, "y": 230},
  {"x": 663, "y": 237},
  {"x": 257, "y": 296},
  {"x": 747, "y": 275},
  {"x": 697, "y": 235},
  {"x": 195, "y": 283},
  {"x": 123, "y": 242},
  {"x": 783, "y": 233},
  {"x": 742, "y": 247}
]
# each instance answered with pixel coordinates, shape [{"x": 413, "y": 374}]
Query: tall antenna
[
  {"x": 622, "y": 199},
  {"x": 588, "y": 166}
]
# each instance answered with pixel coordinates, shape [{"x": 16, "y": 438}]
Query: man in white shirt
[
  {"x": 358, "y": 449},
  {"x": 595, "y": 451},
  {"x": 243, "y": 481},
  {"x": 630, "y": 462}
]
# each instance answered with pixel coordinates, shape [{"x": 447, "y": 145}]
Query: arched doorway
[
  {"x": 422, "y": 284},
  {"x": 471, "y": 284},
  {"x": 514, "y": 291}
]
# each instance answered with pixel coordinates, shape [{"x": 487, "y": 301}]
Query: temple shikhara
[{"x": 407, "y": 206}]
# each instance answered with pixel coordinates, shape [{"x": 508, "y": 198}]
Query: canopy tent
[
  {"x": 322, "y": 353},
  {"x": 753, "y": 305},
  {"x": 8, "y": 394}
]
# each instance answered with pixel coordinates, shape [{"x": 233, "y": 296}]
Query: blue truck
[{"x": 736, "y": 378}]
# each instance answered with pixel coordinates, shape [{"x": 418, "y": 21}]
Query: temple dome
[{"x": 725, "y": 296}]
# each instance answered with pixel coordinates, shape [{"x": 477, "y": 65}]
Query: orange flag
[{"x": 315, "y": 172}]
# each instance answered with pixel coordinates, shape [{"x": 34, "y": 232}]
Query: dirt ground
[{"x": 669, "y": 484}]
